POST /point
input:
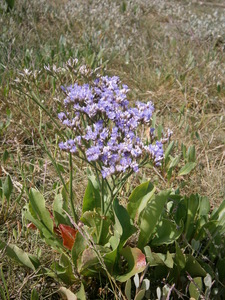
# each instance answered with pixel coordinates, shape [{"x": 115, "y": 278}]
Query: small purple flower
[
  {"x": 73, "y": 149},
  {"x": 135, "y": 167},
  {"x": 108, "y": 171},
  {"x": 62, "y": 146},
  {"x": 62, "y": 116},
  {"x": 104, "y": 134},
  {"x": 93, "y": 153}
]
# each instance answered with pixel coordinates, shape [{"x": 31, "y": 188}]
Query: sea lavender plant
[
  {"x": 104, "y": 132},
  {"x": 104, "y": 127}
]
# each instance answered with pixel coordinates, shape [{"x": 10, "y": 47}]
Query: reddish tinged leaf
[
  {"x": 136, "y": 262},
  {"x": 31, "y": 226},
  {"x": 68, "y": 234},
  {"x": 57, "y": 231}
]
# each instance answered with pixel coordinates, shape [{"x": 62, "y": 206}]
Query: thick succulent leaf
[
  {"x": 195, "y": 288},
  {"x": 67, "y": 294},
  {"x": 123, "y": 227},
  {"x": 78, "y": 247},
  {"x": 187, "y": 168},
  {"x": 219, "y": 214},
  {"x": 174, "y": 162},
  {"x": 136, "y": 262},
  {"x": 63, "y": 270},
  {"x": 7, "y": 187},
  {"x": 140, "y": 295},
  {"x": 180, "y": 258},
  {"x": 37, "y": 203},
  {"x": 192, "y": 216},
  {"x": 88, "y": 264},
  {"x": 157, "y": 259},
  {"x": 191, "y": 154},
  {"x": 139, "y": 198},
  {"x": 211, "y": 226},
  {"x": 19, "y": 255},
  {"x": 221, "y": 268},
  {"x": 92, "y": 198},
  {"x": 193, "y": 267},
  {"x": 167, "y": 152},
  {"x": 59, "y": 209},
  {"x": 181, "y": 211},
  {"x": 68, "y": 234},
  {"x": 81, "y": 294},
  {"x": 110, "y": 260},
  {"x": 63, "y": 274},
  {"x": 150, "y": 216},
  {"x": 166, "y": 233},
  {"x": 204, "y": 206},
  {"x": 39, "y": 225},
  {"x": 128, "y": 289},
  {"x": 93, "y": 220}
]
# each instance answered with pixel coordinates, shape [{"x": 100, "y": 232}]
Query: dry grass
[{"x": 154, "y": 51}]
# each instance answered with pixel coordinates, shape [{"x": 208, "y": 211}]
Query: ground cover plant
[{"x": 98, "y": 200}]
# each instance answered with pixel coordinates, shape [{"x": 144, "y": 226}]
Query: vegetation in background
[{"x": 171, "y": 53}]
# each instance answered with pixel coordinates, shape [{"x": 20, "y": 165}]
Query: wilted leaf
[{"x": 68, "y": 234}]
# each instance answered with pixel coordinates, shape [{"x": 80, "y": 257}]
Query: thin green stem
[
  {"x": 102, "y": 211},
  {"x": 113, "y": 196},
  {"x": 71, "y": 189}
]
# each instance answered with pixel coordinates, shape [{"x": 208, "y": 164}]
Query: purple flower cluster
[{"x": 104, "y": 126}]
